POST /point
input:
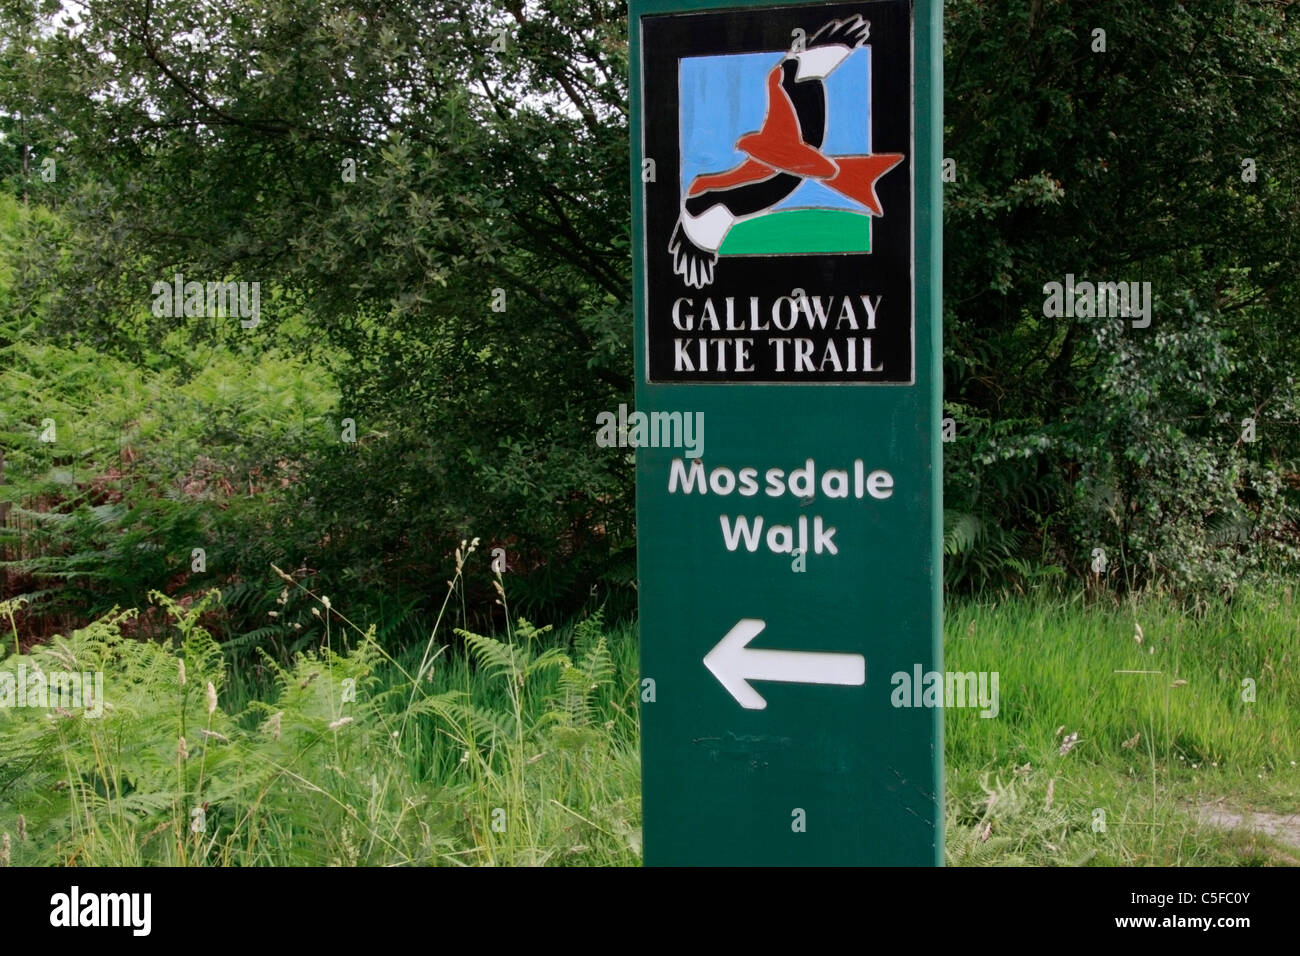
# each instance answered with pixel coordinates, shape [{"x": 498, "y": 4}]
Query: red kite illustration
[{"x": 780, "y": 156}]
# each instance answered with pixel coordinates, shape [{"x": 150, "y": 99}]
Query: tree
[
  {"x": 1120, "y": 156},
  {"x": 443, "y": 187}
]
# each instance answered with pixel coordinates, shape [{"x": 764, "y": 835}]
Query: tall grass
[
  {"x": 513, "y": 754},
  {"x": 1159, "y": 703},
  {"x": 520, "y": 748}
]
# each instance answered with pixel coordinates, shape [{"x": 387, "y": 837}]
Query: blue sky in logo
[{"x": 724, "y": 97}]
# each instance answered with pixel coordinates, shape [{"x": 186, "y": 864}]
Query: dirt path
[{"x": 1284, "y": 828}]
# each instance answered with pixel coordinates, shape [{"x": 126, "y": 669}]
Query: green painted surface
[
  {"x": 795, "y": 231},
  {"x": 728, "y": 785}
]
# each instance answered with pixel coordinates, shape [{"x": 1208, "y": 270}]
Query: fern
[
  {"x": 579, "y": 683},
  {"x": 319, "y": 772},
  {"x": 961, "y": 532}
]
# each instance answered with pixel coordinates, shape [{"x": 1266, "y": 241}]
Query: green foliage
[
  {"x": 1015, "y": 824},
  {"x": 468, "y": 285},
  {"x": 1165, "y": 482},
  {"x": 91, "y": 787},
  {"x": 580, "y": 682},
  {"x": 1077, "y": 433},
  {"x": 476, "y": 169},
  {"x": 1157, "y": 699},
  {"x": 528, "y": 754},
  {"x": 145, "y": 466},
  {"x": 352, "y": 760},
  {"x": 434, "y": 200}
]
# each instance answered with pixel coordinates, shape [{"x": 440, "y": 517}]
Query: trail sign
[{"x": 786, "y": 229}]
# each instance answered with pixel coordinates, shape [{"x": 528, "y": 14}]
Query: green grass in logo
[{"x": 799, "y": 232}]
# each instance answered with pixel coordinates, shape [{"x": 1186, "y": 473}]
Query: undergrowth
[{"x": 520, "y": 754}]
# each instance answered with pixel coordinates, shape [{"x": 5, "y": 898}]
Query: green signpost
[{"x": 786, "y": 220}]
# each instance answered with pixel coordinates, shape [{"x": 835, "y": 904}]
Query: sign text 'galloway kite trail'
[
  {"x": 786, "y": 212},
  {"x": 782, "y": 194}
]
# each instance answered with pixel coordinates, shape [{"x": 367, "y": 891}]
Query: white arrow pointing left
[{"x": 734, "y": 665}]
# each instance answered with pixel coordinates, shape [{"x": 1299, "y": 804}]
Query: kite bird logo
[{"x": 781, "y": 156}]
